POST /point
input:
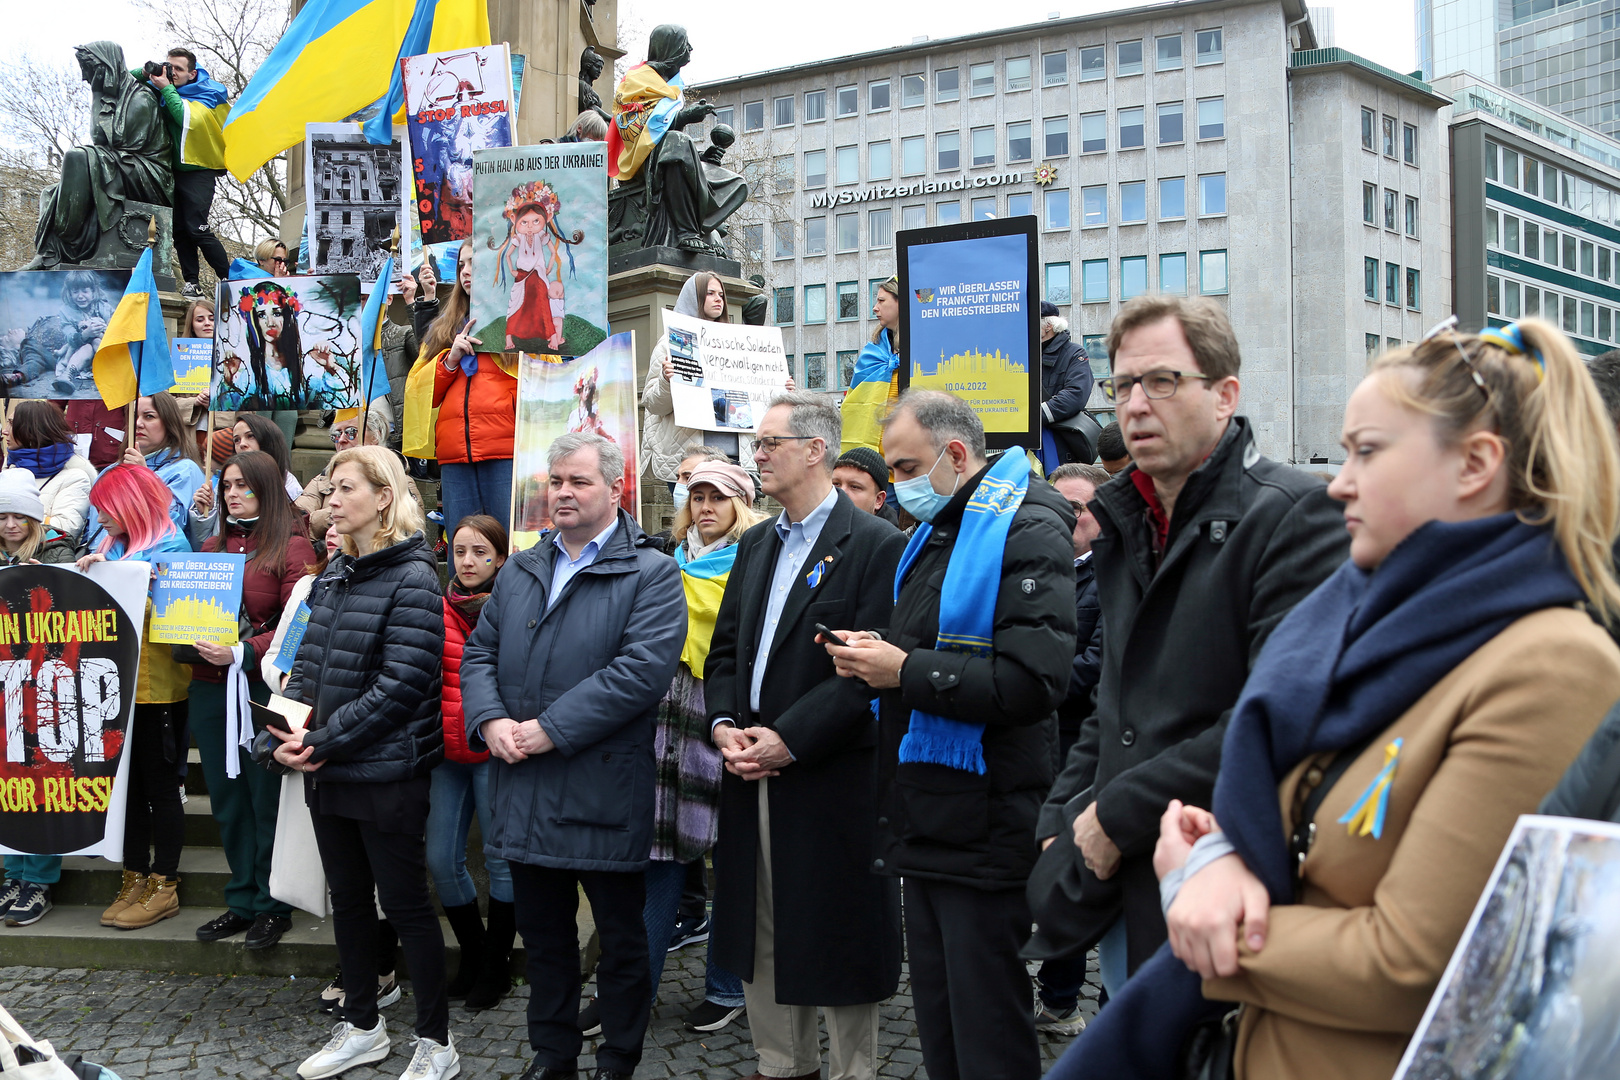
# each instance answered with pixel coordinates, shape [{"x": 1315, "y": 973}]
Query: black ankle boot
[
  {"x": 468, "y": 927},
  {"x": 495, "y": 977}
]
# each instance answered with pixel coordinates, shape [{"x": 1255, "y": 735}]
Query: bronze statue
[
  {"x": 590, "y": 69},
  {"x": 127, "y": 161}
]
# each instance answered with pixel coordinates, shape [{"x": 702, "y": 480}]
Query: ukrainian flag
[
  {"x": 872, "y": 390},
  {"x": 704, "y": 580},
  {"x": 337, "y": 58},
  {"x": 133, "y": 358},
  {"x": 373, "y": 372}
]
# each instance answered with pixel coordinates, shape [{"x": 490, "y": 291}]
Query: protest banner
[
  {"x": 51, "y": 322},
  {"x": 193, "y": 365},
  {"x": 725, "y": 373},
  {"x": 1532, "y": 989},
  {"x": 352, "y": 188},
  {"x": 970, "y": 321},
  {"x": 70, "y": 647},
  {"x": 540, "y": 248},
  {"x": 288, "y": 343},
  {"x": 197, "y": 597},
  {"x": 596, "y": 393},
  {"x": 293, "y": 638},
  {"x": 456, "y": 102}
]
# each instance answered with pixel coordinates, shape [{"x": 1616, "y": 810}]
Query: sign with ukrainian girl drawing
[
  {"x": 456, "y": 102},
  {"x": 197, "y": 598},
  {"x": 70, "y": 648},
  {"x": 540, "y": 248},
  {"x": 725, "y": 373},
  {"x": 288, "y": 343}
]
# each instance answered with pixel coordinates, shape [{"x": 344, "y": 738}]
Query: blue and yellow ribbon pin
[
  {"x": 1366, "y": 817},
  {"x": 817, "y": 572}
]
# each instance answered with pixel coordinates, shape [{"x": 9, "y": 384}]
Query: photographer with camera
[{"x": 195, "y": 106}]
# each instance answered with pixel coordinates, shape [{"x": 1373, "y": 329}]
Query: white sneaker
[
  {"x": 348, "y": 1047},
  {"x": 433, "y": 1061},
  {"x": 387, "y": 990}
]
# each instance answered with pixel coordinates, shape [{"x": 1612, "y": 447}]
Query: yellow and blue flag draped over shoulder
[
  {"x": 704, "y": 579},
  {"x": 871, "y": 393},
  {"x": 133, "y": 358},
  {"x": 337, "y": 58}
]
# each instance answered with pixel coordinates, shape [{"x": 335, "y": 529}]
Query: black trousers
[
  {"x": 360, "y": 859},
  {"x": 695, "y": 893},
  {"x": 970, "y": 989},
  {"x": 153, "y": 816},
  {"x": 193, "y": 197},
  {"x": 547, "y": 901}
]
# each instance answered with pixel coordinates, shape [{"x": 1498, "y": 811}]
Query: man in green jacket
[{"x": 195, "y": 107}]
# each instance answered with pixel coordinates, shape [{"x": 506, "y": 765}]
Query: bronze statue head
[
  {"x": 590, "y": 64},
  {"x": 668, "y": 49},
  {"x": 100, "y": 62}
]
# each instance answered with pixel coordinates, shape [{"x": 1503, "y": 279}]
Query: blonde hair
[
  {"x": 747, "y": 518},
  {"x": 1562, "y": 462},
  {"x": 381, "y": 468},
  {"x": 32, "y": 542}
]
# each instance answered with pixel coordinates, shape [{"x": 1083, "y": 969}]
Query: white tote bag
[
  {"x": 296, "y": 875},
  {"x": 43, "y": 1064}
]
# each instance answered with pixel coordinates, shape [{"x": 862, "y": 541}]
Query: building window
[
  {"x": 1603, "y": 323},
  {"x": 1167, "y": 53},
  {"x": 981, "y": 80},
  {"x": 849, "y": 102},
  {"x": 1057, "y": 136},
  {"x": 947, "y": 86},
  {"x": 1409, "y": 148},
  {"x": 948, "y": 145},
  {"x": 1018, "y": 73},
  {"x": 1133, "y": 275},
  {"x": 984, "y": 146},
  {"x": 1588, "y": 259},
  {"x": 815, "y": 371},
  {"x": 1392, "y": 283},
  {"x": 1569, "y": 252},
  {"x": 879, "y": 160},
  {"x": 848, "y": 159},
  {"x": 1209, "y": 46},
  {"x": 1510, "y": 168},
  {"x": 753, "y": 116},
  {"x": 1532, "y": 176},
  {"x": 1389, "y": 136},
  {"x": 1390, "y": 198},
  {"x": 914, "y": 217},
  {"x": 725, "y": 116},
  {"x": 1055, "y": 68},
  {"x": 1413, "y": 293},
  {"x": 849, "y": 300},
  {"x": 1212, "y": 118},
  {"x": 846, "y": 368},
  {"x": 1490, "y": 160},
  {"x": 1130, "y": 129},
  {"x": 754, "y": 240},
  {"x": 913, "y": 155},
  {"x": 872, "y": 291},
  {"x": 1532, "y": 237},
  {"x": 1173, "y": 273},
  {"x": 1569, "y": 315},
  {"x": 1170, "y": 117},
  {"x": 1412, "y": 216},
  {"x": 1094, "y": 280},
  {"x": 815, "y": 304},
  {"x": 1588, "y": 320},
  {"x": 1018, "y": 141},
  {"x": 1093, "y": 206},
  {"x": 1369, "y": 122},
  {"x": 1093, "y": 132},
  {"x": 1549, "y": 247},
  {"x": 784, "y": 173},
  {"x": 948, "y": 213},
  {"x": 1369, "y": 203},
  {"x": 1370, "y": 343},
  {"x": 1132, "y": 202},
  {"x": 1020, "y": 205},
  {"x": 1603, "y": 264},
  {"x": 1212, "y": 272},
  {"x": 913, "y": 91},
  {"x": 784, "y": 111},
  {"x": 815, "y": 105},
  {"x": 1093, "y": 63},
  {"x": 1211, "y": 194},
  {"x": 982, "y": 209},
  {"x": 326, "y": 217},
  {"x": 784, "y": 306},
  {"x": 1392, "y": 343},
  {"x": 815, "y": 236},
  {"x": 1058, "y": 283},
  {"x": 815, "y": 168},
  {"x": 1532, "y": 302},
  {"x": 880, "y": 228},
  {"x": 877, "y": 96},
  {"x": 849, "y": 232},
  {"x": 1369, "y": 278},
  {"x": 1057, "y": 209},
  {"x": 1172, "y": 197},
  {"x": 1510, "y": 233},
  {"x": 1128, "y": 58},
  {"x": 782, "y": 239}
]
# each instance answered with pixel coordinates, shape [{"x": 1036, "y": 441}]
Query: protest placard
[
  {"x": 288, "y": 343},
  {"x": 51, "y": 322},
  {"x": 193, "y": 365},
  {"x": 725, "y": 373},
  {"x": 456, "y": 102},
  {"x": 197, "y": 597},
  {"x": 293, "y": 638},
  {"x": 352, "y": 187}
]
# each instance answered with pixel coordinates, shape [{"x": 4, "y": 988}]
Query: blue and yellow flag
[
  {"x": 336, "y": 58},
  {"x": 133, "y": 359},
  {"x": 704, "y": 579},
  {"x": 872, "y": 390},
  {"x": 373, "y": 372}
]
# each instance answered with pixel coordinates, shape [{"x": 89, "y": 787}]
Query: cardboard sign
[
  {"x": 725, "y": 373},
  {"x": 456, "y": 102},
  {"x": 51, "y": 322},
  {"x": 193, "y": 365},
  {"x": 197, "y": 597},
  {"x": 288, "y": 343}
]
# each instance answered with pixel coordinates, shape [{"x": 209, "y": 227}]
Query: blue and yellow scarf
[{"x": 704, "y": 581}]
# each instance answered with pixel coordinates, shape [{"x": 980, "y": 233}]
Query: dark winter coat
[
  {"x": 1066, "y": 378},
  {"x": 1249, "y": 538},
  {"x": 264, "y": 594},
  {"x": 369, "y": 666},
  {"x": 1591, "y": 786},
  {"x": 1087, "y": 654},
  {"x": 591, "y": 668},
  {"x": 837, "y": 937},
  {"x": 948, "y": 824}
]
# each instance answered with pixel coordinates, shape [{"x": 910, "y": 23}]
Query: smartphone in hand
[{"x": 830, "y": 636}]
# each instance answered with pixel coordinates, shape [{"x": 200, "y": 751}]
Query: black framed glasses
[
  {"x": 772, "y": 443},
  {"x": 1157, "y": 385}
]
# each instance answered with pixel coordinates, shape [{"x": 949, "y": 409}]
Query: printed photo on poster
[
  {"x": 193, "y": 363},
  {"x": 456, "y": 102},
  {"x": 51, "y": 322},
  {"x": 70, "y": 648},
  {"x": 595, "y": 393},
  {"x": 288, "y": 343},
  {"x": 197, "y": 597},
  {"x": 353, "y": 191},
  {"x": 540, "y": 248},
  {"x": 725, "y": 373},
  {"x": 1532, "y": 990}
]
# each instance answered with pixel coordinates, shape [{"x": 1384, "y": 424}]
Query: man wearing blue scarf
[
  {"x": 977, "y": 657},
  {"x": 195, "y": 107}
]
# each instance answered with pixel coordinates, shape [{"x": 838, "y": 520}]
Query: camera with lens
[{"x": 152, "y": 67}]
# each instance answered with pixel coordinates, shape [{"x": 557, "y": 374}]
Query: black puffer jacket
[
  {"x": 370, "y": 666},
  {"x": 1591, "y": 787},
  {"x": 1066, "y": 378}
]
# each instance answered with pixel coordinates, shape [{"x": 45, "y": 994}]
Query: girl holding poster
[{"x": 530, "y": 264}]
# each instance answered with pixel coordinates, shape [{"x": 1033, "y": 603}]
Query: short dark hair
[
  {"x": 945, "y": 417},
  {"x": 1605, "y": 372},
  {"x": 1203, "y": 323},
  {"x": 1095, "y": 475},
  {"x": 191, "y": 57},
  {"x": 1111, "y": 443},
  {"x": 38, "y": 424}
]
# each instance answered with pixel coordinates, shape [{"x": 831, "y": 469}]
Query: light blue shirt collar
[
  {"x": 810, "y": 527},
  {"x": 565, "y": 567}
]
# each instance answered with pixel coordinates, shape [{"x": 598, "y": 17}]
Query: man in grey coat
[{"x": 561, "y": 680}]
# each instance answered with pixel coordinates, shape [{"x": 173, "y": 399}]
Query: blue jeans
[
  {"x": 458, "y": 790},
  {"x": 664, "y": 884},
  {"x": 484, "y": 487},
  {"x": 1112, "y": 958},
  {"x": 47, "y": 870}
]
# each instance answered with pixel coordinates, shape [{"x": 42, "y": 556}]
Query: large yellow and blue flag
[
  {"x": 336, "y": 58},
  {"x": 872, "y": 391},
  {"x": 133, "y": 359}
]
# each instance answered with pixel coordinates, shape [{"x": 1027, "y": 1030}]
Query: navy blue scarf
[
  {"x": 1345, "y": 664},
  {"x": 44, "y": 462}
]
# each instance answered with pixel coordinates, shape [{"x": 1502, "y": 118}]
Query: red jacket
[
  {"x": 477, "y": 416},
  {"x": 264, "y": 595},
  {"x": 456, "y": 629}
]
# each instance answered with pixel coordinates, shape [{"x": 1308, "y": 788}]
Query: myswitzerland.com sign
[{"x": 921, "y": 187}]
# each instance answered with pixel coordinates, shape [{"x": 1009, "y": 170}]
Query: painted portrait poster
[
  {"x": 51, "y": 322},
  {"x": 595, "y": 393},
  {"x": 353, "y": 191},
  {"x": 456, "y": 102},
  {"x": 288, "y": 343},
  {"x": 540, "y": 248}
]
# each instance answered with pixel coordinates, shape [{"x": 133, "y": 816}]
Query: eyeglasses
[
  {"x": 772, "y": 443},
  {"x": 350, "y": 433},
  {"x": 277, "y": 259},
  {"x": 1155, "y": 384}
]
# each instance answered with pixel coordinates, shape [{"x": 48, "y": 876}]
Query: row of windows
[
  {"x": 1546, "y": 182},
  {"x": 1096, "y": 287},
  {"x": 1017, "y": 74},
  {"x": 1371, "y": 128},
  {"x": 1392, "y": 210},
  {"x": 1374, "y": 341},
  {"x": 1514, "y": 300},
  {"x": 1536, "y": 240},
  {"x": 1391, "y": 280}
]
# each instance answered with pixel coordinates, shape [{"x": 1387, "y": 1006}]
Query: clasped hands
[
  {"x": 1218, "y": 907},
  {"x": 751, "y": 753},
  {"x": 513, "y": 742}
]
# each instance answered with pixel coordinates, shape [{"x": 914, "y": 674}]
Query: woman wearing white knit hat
[{"x": 23, "y": 534}]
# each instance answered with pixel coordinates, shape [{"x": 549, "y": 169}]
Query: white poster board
[{"x": 725, "y": 373}]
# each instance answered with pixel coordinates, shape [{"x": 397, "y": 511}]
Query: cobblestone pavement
[{"x": 148, "y": 1026}]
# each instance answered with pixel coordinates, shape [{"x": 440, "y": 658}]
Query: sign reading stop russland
[{"x": 70, "y": 647}]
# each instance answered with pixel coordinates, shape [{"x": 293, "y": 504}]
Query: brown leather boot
[
  {"x": 158, "y": 901},
  {"x": 128, "y": 892}
]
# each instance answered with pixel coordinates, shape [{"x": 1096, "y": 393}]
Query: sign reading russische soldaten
[{"x": 69, "y": 654}]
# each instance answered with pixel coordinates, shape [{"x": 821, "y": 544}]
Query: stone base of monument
[
  {"x": 633, "y": 257},
  {"x": 120, "y": 247}
]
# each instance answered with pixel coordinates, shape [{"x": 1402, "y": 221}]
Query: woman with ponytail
[{"x": 1396, "y": 723}]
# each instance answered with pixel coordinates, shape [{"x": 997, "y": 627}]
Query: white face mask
[{"x": 681, "y": 493}]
